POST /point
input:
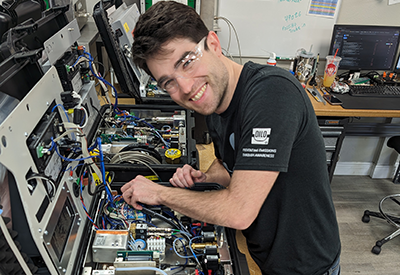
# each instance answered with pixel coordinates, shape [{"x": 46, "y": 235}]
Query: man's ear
[{"x": 213, "y": 43}]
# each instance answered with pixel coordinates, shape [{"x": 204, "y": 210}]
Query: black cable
[
  {"x": 97, "y": 110},
  {"x": 147, "y": 211}
]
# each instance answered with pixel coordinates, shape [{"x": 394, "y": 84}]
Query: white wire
[
  {"x": 136, "y": 157},
  {"x": 227, "y": 53},
  {"x": 84, "y": 58},
  {"x": 86, "y": 117},
  {"x": 76, "y": 95},
  {"x": 132, "y": 156},
  {"x": 234, "y": 30},
  {"x": 53, "y": 186}
]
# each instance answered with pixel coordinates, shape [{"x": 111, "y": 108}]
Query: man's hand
[
  {"x": 141, "y": 190},
  {"x": 187, "y": 176}
]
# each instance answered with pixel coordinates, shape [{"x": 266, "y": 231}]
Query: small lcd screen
[
  {"x": 63, "y": 229},
  {"x": 363, "y": 47}
]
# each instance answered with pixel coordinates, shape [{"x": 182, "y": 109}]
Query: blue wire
[
  {"x": 103, "y": 80},
  {"x": 103, "y": 173},
  {"x": 190, "y": 246},
  {"x": 65, "y": 111},
  {"x": 186, "y": 260},
  {"x": 64, "y": 158},
  {"x": 93, "y": 146}
]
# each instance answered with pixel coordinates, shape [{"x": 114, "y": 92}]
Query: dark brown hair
[{"x": 161, "y": 23}]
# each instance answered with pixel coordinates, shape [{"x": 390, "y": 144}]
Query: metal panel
[
  {"x": 16, "y": 157},
  {"x": 57, "y": 45}
]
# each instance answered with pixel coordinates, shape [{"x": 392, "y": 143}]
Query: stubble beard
[{"x": 219, "y": 86}]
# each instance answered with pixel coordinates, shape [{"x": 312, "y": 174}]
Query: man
[{"x": 269, "y": 149}]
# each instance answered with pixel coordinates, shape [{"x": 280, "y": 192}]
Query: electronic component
[
  {"x": 173, "y": 156},
  {"x": 145, "y": 136},
  {"x": 107, "y": 243},
  {"x": 39, "y": 143},
  {"x": 68, "y": 71},
  {"x": 157, "y": 239}
]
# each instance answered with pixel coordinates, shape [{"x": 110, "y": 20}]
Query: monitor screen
[{"x": 364, "y": 47}]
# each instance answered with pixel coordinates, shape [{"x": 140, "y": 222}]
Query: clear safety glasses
[{"x": 185, "y": 68}]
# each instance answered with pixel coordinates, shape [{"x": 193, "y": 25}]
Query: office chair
[{"x": 393, "y": 142}]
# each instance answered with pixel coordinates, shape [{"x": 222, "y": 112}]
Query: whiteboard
[{"x": 279, "y": 26}]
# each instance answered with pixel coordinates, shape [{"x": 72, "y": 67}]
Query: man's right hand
[{"x": 187, "y": 176}]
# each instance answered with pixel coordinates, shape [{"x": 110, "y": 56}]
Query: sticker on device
[{"x": 260, "y": 136}]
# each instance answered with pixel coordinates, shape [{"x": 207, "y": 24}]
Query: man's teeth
[{"x": 200, "y": 93}]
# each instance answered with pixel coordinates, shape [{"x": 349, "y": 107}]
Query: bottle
[{"x": 272, "y": 59}]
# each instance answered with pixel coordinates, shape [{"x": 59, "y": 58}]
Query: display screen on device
[
  {"x": 364, "y": 47},
  {"x": 332, "y": 100}
]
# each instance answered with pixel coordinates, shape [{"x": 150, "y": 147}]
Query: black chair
[{"x": 393, "y": 142}]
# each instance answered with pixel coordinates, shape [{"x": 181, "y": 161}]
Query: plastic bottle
[{"x": 272, "y": 59}]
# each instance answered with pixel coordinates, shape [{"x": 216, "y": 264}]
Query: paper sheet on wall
[
  {"x": 324, "y": 8},
  {"x": 392, "y": 2}
]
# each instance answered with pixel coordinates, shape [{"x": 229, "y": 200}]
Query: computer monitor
[{"x": 364, "y": 47}]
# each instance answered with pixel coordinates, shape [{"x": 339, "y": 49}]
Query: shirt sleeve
[{"x": 271, "y": 119}]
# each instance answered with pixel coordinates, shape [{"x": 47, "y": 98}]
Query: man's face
[{"x": 194, "y": 78}]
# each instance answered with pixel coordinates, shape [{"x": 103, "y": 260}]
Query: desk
[
  {"x": 338, "y": 111},
  {"x": 382, "y": 129}
]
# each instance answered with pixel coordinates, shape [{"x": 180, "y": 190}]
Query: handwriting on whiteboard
[{"x": 292, "y": 21}]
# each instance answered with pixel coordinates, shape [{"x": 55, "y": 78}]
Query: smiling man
[{"x": 269, "y": 150}]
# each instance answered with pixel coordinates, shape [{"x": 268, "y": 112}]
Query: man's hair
[{"x": 161, "y": 23}]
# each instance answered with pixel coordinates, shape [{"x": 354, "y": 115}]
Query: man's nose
[{"x": 185, "y": 84}]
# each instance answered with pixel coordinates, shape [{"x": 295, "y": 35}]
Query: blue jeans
[{"x": 335, "y": 268}]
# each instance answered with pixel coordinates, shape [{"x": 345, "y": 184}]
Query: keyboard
[{"x": 374, "y": 91}]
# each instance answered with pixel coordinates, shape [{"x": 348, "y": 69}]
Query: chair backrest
[{"x": 394, "y": 142}]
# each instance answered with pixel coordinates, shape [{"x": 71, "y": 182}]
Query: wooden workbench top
[{"x": 337, "y": 110}]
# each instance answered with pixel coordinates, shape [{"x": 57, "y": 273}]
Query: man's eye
[
  {"x": 188, "y": 62},
  {"x": 167, "y": 84}
]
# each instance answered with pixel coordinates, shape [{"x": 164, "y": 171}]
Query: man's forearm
[
  {"x": 236, "y": 206},
  {"x": 211, "y": 207},
  {"x": 217, "y": 173}
]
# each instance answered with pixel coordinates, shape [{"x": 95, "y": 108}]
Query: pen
[
  {"x": 319, "y": 95},
  {"x": 315, "y": 65},
  {"x": 284, "y": 58},
  {"x": 314, "y": 94}
]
